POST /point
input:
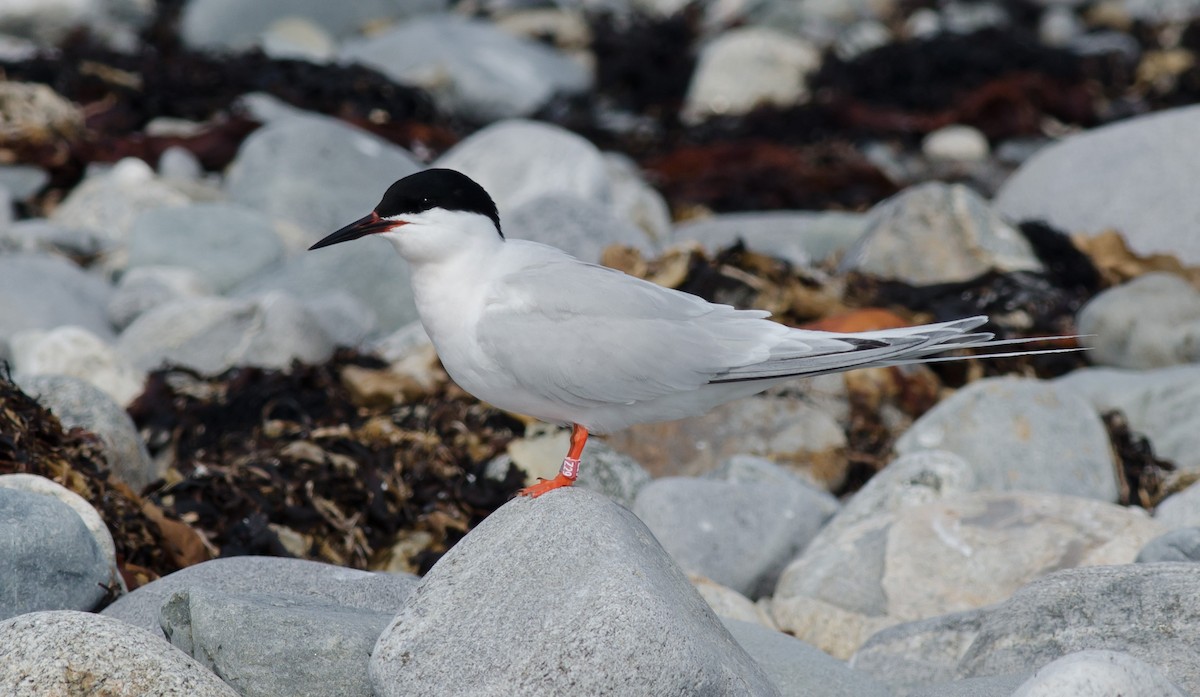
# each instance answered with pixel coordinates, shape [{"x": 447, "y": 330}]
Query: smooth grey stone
[
  {"x": 739, "y": 534},
  {"x": 370, "y": 270},
  {"x": 472, "y": 68},
  {"x": 518, "y": 160},
  {"x": 1150, "y": 611},
  {"x": 78, "y": 653},
  {"x": 39, "y": 291},
  {"x": 1020, "y": 433},
  {"x": 1098, "y": 674},
  {"x": 919, "y": 653},
  {"x": 938, "y": 233},
  {"x": 236, "y": 25},
  {"x": 1182, "y": 544},
  {"x": 211, "y": 335},
  {"x": 268, "y": 644},
  {"x": 1134, "y": 176},
  {"x": 1152, "y": 321},
  {"x": 51, "y": 560},
  {"x": 74, "y": 351},
  {"x": 581, "y": 228},
  {"x": 799, "y": 669},
  {"x": 226, "y": 244},
  {"x": 799, "y": 237},
  {"x": 336, "y": 585},
  {"x": 611, "y": 615},
  {"x": 144, "y": 288},
  {"x": 79, "y": 404},
  {"x": 315, "y": 172}
]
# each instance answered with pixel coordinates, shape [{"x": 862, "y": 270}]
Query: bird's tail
[{"x": 818, "y": 353}]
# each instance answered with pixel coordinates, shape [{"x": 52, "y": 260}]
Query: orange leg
[{"x": 570, "y": 466}]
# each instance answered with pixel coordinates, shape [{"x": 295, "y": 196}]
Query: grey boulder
[
  {"x": 75, "y": 653},
  {"x": 40, "y": 291},
  {"x": 577, "y": 226},
  {"x": 1134, "y": 176},
  {"x": 211, "y": 335},
  {"x": 1182, "y": 544},
  {"x": 1098, "y": 674},
  {"x": 265, "y": 645},
  {"x": 938, "y": 233},
  {"x": 1020, "y": 433},
  {"x": 315, "y": 172},
  {"x": 1150, "y": 322},
  {"x": 51, "y": 559},
  {"x": 78, "y": 404},
  {"x": 326, "y": 583},
  {"x": 472, "y": 68},
  {"x": 739, "y": 534},
  {"x": 511, "y": 611}
]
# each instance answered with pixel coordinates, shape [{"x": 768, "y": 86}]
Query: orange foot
[{"x": 545, "y": 485}]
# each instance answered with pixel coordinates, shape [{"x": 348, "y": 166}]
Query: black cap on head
[{"x": 437, "y": 188}]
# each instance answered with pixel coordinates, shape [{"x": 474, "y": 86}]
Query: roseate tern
[{"x": 533, "y": 330}]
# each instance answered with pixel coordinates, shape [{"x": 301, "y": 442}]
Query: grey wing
[{"x": 588, "y": 335}]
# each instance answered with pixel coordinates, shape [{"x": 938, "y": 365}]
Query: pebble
[
  {"x": 611, "y": 615},
  {"x": 211, "y": 335},
  {"x": 739, "y": 534},
  {"x": 984, "y": 545},
  {"x": 472, "y": 69},
  {"x": 323, "y": 583},
  {"x": 1020, "y": 433},
  {"x": 799, "y": 237},
  {"x": 1121, "y": 177},
  {"x": 51, "y": 560},
  {"x": 938, "y": 233},
  {"x": 225, "y": 244},
  {"x": 728, "y": 603},
  {"x": 747, "y": 67},
  {"x": 76, "y": 352},
  {"x": 77, "y": 403},
  {"x": 66, "y": 652},
  {"x": 268, "y": 644},
  {"x": 1151, "y": 321},
  {"x": 956, "y": 143},
  {"x": 316, "y": 172}
]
